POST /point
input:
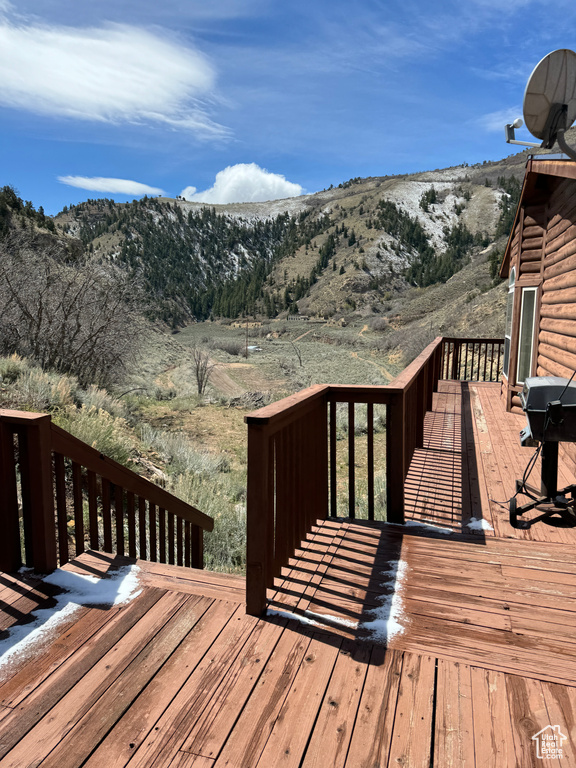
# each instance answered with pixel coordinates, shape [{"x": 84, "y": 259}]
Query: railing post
[
  {"x": 430, "y": 379},
  {"x": 258, "y": 519},
  {"x": 395, "y": 458},
  {"x": 455, "y": 373},
  {"x": 197, "y": 547},
  {"x": 10, "y": 554},
  {"x": 36, "y": 469},
  {"x": 438, "y": 364}
]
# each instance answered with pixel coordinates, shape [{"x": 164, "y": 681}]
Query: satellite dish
[{"x": 550, "y": 99}]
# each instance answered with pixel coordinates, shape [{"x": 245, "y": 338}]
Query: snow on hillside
[
  {"x": 480, "y": 213},
  {"x": 407, "y": 195},
  {"x": 254, "y": 211}
]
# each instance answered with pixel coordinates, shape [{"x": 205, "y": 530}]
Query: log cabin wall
[
  {"x": 533, "y": 231},
  {"x": 557, "y": 332},
  {"x": 542, "y": 252},
  {"x": 507, "y": 391},
  {"x": 527, "y": 257}
]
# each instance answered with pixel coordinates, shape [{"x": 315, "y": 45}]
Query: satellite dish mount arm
[
  {"x": 550, "y": 100},
  {"x": 554, "y": 130},
  {"x": 511, "y": 135},
  {"x": 564, "y": 147}
]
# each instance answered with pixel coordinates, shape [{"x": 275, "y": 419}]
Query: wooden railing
[
  {"x": 472, "y": 359},
  {"x": 292, "y": 468},
  {"x": 72, "y": 498}
]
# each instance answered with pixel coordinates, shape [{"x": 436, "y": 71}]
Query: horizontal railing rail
[
  {"x": 472, "y": 359},
  {"x": 71, "y": 497},
  {"x": 292, "y": 462}
]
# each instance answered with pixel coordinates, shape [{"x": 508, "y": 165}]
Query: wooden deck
[
  {"x": 469, "y": 464},
  {"x": 485, "y": 657}
]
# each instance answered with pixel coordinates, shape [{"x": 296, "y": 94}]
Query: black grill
[
  {"x": 550, "y": 406},
  {"x": 549, "y": 403}
]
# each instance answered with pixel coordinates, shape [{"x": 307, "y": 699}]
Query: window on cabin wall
[
  {"x": 526, "y": 334},
  {"x": 509, "y": 308}
]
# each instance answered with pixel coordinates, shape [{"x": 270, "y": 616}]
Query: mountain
[
  {"x": 346, "y": 249},
  {"x": 355, "y": 249}
]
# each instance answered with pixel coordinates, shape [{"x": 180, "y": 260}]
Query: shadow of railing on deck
[
  {"x": 471, "y": 472},
  {"x": 337, "y": 583},
  {"x": 21, "y": 599},
  {"x": 362, "y": 593},
  {"x": 442, "y": 485}
]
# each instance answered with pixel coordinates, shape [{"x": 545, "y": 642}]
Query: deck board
[
  {"x": 454, "y": 726},
  {"x": 131, "y": 729},
  {"x": 493, "y": 737},
  {"x": 411, "y": 736},
  {"x": 333, "y": 730},
  {"x": 181, "y": 678},
  {"x": 210, "y": 731},
  {"x": 165, "y": 739}
]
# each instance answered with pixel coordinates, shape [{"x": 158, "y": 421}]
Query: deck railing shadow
[
  {"x": 293, "y": 466},
  {"x": 334, "y": 585},
  {"x": 21, "y": 601},
  {"x": 356, "y": 591},
  {"x": 442, "y": 485}
]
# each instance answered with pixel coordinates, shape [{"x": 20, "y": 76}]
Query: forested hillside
[
  {"x": 344, "y": 251},
  {"x": 324, "y": 254},
  {"x": 191, "y": 264}
]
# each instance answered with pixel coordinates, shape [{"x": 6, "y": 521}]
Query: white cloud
[
  {"x": 114, "y": 186},
  {"x": 244, "y": 183},
  {"x": 495, "y": 121},
  {"x": 117, "y": 73}
]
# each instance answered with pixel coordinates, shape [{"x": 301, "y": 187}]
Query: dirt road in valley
[
  {"x": 383, "y": 370},
  {"x": 223, "y": 382}
]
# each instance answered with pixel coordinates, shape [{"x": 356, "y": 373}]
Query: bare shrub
[
  {"x": 379, "y": 323},
  {"x": 73, "y": 316},
  {"x": 231, "y": 346},
  {"x": 203, "y": 367}
]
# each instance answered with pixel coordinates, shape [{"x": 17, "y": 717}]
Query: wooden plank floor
[
  {"x": 180, "y": 677},
  {"x": 469, "y": 464},
  {"x": 486, "y": 659}
]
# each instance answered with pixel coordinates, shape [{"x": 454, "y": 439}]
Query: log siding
[{"x": 542, "y": 247}]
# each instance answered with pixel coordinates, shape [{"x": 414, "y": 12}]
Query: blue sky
[{"x": 244, "y": 99}]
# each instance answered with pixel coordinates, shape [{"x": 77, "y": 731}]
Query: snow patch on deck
[
  {"x": 389, "y": 618},
  {"x": 428, "y": 524},
  {"x": 479, "y": 525},
  {"x": 313, "y": 619},
  {"x": 24, "y": 640}
]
